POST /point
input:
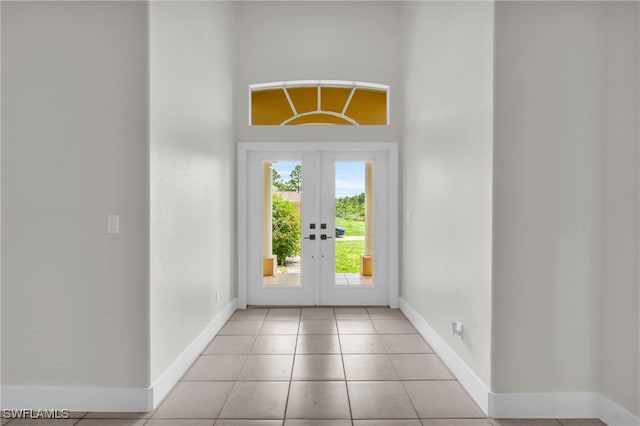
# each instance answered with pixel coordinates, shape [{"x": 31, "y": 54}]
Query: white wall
[
  {"x": 548, "y": 195},
  {"x": 317, "y": 40},
  {"x": 192, "y": 172},
  {"x": 620, "y": 361},
  {"x": 565, "y": 306},
  {"x": 446, "y": 173},
  {"x": 74, "y": 149},
  {"x": 78, "y": 145}
]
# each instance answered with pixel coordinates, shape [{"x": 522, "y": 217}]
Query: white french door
[
  {"x": 368, "y": 284},
  {"x": 318, "y": 227}
]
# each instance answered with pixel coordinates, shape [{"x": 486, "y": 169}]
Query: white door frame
[{"x": 242, "y": 203}]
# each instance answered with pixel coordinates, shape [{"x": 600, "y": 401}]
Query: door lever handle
[
  {"x": 311, "y": 237},
  {"x": 324, "y": 237}
]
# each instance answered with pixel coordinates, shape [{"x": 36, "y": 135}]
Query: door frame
[{"x": 243, "y": 150}]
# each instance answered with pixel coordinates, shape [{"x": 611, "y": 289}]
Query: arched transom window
[{"x": 319, "y": 102}]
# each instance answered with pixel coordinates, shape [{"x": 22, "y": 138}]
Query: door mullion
[
  {"x": 318, "y": 204},
  {"x": 327, "y": 179}
]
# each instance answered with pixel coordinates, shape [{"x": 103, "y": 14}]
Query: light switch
[{"x": 113, "y": 224}]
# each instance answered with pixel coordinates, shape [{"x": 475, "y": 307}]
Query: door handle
[
  {"x": 324, "y": 237},
  {"x": 311, "y": 237}
]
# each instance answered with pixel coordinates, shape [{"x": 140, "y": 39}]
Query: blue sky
[{"x": 349, "y": 176}]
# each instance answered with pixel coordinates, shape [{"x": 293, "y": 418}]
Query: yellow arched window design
[{"x": 319, "y": 102}]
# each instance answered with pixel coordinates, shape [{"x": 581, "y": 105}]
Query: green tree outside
[
  {"x": 351, "y": 207},
  {"x": 276, "y": 181},
  {"x": 295, "y": 179},
  {"x": 286, "y": 229}
]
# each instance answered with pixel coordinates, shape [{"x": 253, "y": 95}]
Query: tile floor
[{"x": 313, "y": 367}]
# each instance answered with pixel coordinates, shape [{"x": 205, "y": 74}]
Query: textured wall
[
  {"x": 192, "y": 172},
  {"x": 446, "y": 172},
  {"x": 566, "y": 199},
  {"x": 74, "y": 149}
]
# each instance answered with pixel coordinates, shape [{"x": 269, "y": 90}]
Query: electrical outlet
[{"x": 457, "y": 329}]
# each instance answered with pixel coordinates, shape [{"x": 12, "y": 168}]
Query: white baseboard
[
  {"x": 76, "y": 398},
  {"x": 113, "y": 398},
  {"x": 545, "y": 405},
  {"x": 613, "y": 414},
  {"x": 561, "y": 405},
  {"x": 554, "y": 405},
  {"x": 163, "y": 385},
  {"x": 467, "y": 378}
]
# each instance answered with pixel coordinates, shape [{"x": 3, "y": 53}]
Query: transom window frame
[{"x": 320, "y": 84}]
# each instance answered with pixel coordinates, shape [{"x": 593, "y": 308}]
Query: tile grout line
[
  {"x": 397, "y": 373},
  {"x": 402, "y": 382},
  {"x": 293, "y": 365},
  {"x": 226, "y": 398},
  {"x": 344, "y": 369}
]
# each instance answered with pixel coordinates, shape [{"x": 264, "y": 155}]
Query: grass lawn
[
  {"x": 347, "y": 252},
  {"x": 348, "y": 255},
  {"x": 352, "y": 228}
]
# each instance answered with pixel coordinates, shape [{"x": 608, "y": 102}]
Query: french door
[{"x": 318, "y": 227}]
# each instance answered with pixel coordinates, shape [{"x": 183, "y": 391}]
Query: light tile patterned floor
[{"x": 313, "y": 367}]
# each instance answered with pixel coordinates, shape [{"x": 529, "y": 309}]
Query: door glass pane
[
  {"x": 354, "y": 223},
  {"x": 281, "y": 224}
]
